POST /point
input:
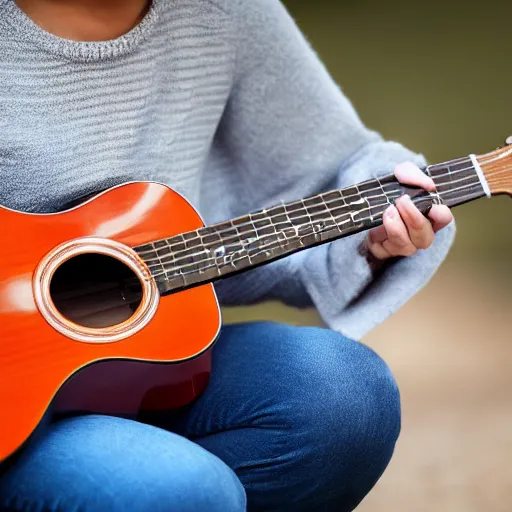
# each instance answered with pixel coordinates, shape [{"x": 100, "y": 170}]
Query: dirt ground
[
  {"x": 451, "y": 354},
  {"x": 450, "y": 351}
]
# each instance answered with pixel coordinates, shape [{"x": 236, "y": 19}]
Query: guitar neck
[{"x": 213, "y": 252}]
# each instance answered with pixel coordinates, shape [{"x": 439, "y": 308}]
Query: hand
[{"x": 405, "y": 229}]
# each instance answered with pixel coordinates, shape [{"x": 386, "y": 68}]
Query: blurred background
[{"x": 436, "y": 76}]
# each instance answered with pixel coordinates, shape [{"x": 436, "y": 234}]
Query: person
[{"x": 226, "y": 102}]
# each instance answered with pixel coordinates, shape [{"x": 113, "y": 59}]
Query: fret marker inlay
[{"x": 215, "y": 251}]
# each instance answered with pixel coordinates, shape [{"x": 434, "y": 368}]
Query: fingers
[
  {"x": 404, "y": 228},
  {"x": 418, "y": 226},
  {"x": 374, "y": 242},
  {"x": 398, "y": 242},
  {"x": 410, "y": 174},
  {"x": 378, "y": 235},
  {"x": 440, "y": 216}
]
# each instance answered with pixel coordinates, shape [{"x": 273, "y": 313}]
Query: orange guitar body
[{"x": 42, "y": 368}]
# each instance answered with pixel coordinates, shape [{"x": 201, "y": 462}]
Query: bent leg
[
  {"x": 307, "y": 418},
  {"x": 98, "y": 463}
]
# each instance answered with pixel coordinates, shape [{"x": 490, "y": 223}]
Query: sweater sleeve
[{"x": 288, "y": 132}]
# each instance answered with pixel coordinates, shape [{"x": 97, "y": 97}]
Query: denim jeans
[{"x": 294, "y": 419}]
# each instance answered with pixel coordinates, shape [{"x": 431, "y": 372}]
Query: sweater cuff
[{"x": 339, "y": 282}]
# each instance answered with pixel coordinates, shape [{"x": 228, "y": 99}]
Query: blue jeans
[{"x": 294, "y": 419}]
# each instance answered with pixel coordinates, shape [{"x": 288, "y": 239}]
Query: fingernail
[
  {"x": 429, "y": 184},
  {"x": 392, "y": 212},
  {"x": 406, "y": 199}
]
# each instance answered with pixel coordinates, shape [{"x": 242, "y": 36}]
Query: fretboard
[{"x": 219, "y": 250}]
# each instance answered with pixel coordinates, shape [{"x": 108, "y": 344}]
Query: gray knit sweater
[{"x": 223, "y": 100}]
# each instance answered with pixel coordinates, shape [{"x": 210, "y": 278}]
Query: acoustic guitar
[{"x": 109, "y": 307}]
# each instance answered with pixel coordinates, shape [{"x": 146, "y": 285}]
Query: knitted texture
[{"x": 224, "y": 101}]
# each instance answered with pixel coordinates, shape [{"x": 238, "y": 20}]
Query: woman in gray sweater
[{"x": 224, "y": 101}]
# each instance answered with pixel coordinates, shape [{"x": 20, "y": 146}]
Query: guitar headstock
[{"x": 497, "y": 168}]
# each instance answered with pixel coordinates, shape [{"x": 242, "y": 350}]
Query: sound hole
[{"x": 94, "y": 290}]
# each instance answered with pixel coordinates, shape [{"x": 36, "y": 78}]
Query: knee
[
  {"x": 348, "y": 409},
  {"x": 341, "y": 396},
  {"x": 201, "y": 482},
  {"x": 345, "y": 418},
  {"x": 331, "y": 406},
  {"x": 338, "y": 389},
  {"x": 139, "y": 467},
  {"x": 351, "y": 402}
]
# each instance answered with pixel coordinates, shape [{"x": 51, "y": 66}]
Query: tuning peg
[{"x": 508, "y": 142}]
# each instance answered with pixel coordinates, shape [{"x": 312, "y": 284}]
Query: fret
[
  {"x": 168, "y": 261},
  {"x": 335, "y": 225},
  {"x": 355, "y": 204},
  {"x": 457, "y": 181},
  {"x": 160, "y": 244},
  {"x": 212, "y": 252},
  {"x": 305, "y": 207},
  {"x": 178, "y": 243},
  {"x": 272, "y": 232},
  {"x": 292, "y": 229}
]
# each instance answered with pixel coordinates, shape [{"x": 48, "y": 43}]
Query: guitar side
[{"x": 121, "y": 377}]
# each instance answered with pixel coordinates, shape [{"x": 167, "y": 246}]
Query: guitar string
[
  {"x": 233, "y": 261},
  {"x": 502, "y": 182},
  {"x": 266, "y": 211},
  {"x": 237, "y": 234},
  {"x": 271, "y": 224},
  {"x": 176, "y": 270},
  {"x": 325, "y": 204},
  {"x": 267, "y": 247},
  {"x": 492, "y": 157},
  {"x": 329, "y": 227},
  {"x": 318, "y": 218},
  {"x": 492, "y": 174},
  {"x": 230, "y": 227}
]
